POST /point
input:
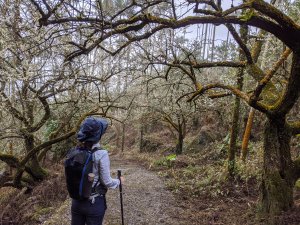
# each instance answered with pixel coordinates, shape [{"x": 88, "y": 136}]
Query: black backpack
[{"x": 78, "y": 165}]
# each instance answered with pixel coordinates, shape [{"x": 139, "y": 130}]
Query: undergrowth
[
  {"x": 34, "y": 207},
  {"x": 204, "y": 173}
]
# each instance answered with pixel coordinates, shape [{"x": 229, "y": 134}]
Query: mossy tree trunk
[
  {"x": 33, "y": 167},
  {"x": 280, "y": 172},
  {"x": 278, "y": 179}
]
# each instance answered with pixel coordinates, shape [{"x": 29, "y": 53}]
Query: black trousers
[{"x": 84, "y": 212}]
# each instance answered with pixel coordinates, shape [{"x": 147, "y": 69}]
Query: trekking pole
[{"x": 121, "y": 196}]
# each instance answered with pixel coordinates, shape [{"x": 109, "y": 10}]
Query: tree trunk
[
  {"x": 118, "y": 134},
  {"x": 213, "y": 44},
  {"x": 278, "y": 181},
  {"x": 247, "y": 134},
  {"x": 204, "y": 42},
  {"x": 12, "y": 153},
  {"x": 34, "y": 167},
  {"x": 123, "y": 136},
  {"x": 236, "y": 111},
  {"x": 179, "y": 146},
  {"x": 234, "y": 136},
  {"x": 142, "y": 132}
]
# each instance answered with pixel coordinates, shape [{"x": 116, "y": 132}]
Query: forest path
[{"x": 145, "y": 198}]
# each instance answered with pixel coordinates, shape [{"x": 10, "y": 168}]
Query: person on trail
[{"x": 91, "y": 211}]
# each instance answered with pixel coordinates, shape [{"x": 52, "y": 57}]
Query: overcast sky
[{"x": 221, "y": 31}]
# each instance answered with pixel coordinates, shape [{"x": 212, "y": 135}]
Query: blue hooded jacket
[{"x": 92, "y": 129}]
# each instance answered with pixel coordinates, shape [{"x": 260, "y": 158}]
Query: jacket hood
[{"x": 92, "y": 129}]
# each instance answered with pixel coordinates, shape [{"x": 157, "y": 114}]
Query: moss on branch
[
  {"x": 10, "y": 160},
  {"x": 294, "y": 127},
  {"x": 296, "y": 173}
]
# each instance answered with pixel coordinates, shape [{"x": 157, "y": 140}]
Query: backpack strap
[{"x": 94, "y": 161}]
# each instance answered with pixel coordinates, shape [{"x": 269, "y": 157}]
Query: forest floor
[{"x": 147, "y": 201}]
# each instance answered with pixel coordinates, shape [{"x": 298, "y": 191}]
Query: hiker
[{"x": 91, "y": 210}]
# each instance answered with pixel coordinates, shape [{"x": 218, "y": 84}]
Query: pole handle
[{"x": 119, "y": 177}]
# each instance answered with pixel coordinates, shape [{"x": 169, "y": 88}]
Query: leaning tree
[{"x": 126, "y": 22}]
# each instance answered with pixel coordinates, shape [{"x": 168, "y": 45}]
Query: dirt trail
[{"x": 146, "y": 200}]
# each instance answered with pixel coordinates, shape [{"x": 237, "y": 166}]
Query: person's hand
[{"x": 122, "y": 179}]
